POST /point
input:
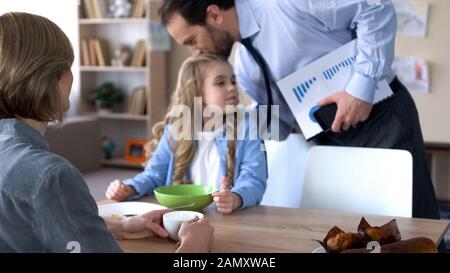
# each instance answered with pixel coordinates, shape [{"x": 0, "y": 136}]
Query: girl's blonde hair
[
  {"x": 191, "y": 78},
  {"x": 34, "y": 55}
]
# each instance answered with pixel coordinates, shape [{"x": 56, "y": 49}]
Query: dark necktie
[{"x": 263, "y": 66}]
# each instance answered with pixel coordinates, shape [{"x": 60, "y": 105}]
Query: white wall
[
  {"x": 434, "y": 107},
  {"x": 434, "y": 110},
  {"x": 65, "y": 14}
]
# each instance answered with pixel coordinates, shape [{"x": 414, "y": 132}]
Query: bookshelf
[
  {"x": 121, "y": 116},
  {"x": 106, "y": 21},
  {"x": 112, "y": 69},
  {"x": 142, "y": 79}
]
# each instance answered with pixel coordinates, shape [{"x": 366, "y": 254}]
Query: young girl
[{"x": 236, "y": 167}]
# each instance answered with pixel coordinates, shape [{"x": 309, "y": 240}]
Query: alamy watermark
[
  {"x": 374, "y": 246},
  {"x": 73, "y": 247},
  {"x": 251, "y": 123}
]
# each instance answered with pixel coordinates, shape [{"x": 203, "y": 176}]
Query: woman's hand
[
  {"x": 139, "y": 227},
  {"x": 196, "y": 236},
  {"x": 226, "y": 201},
  {"x": 118, "y": 191}
]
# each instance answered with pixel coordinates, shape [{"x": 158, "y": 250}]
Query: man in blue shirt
[{"x": 277, "y": 37}]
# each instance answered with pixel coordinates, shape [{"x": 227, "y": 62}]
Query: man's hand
[
  {"x": 226, "y": 201},
  {"x": 142, "y": 226},
  {"x": 350, "y": 110},
  {"x": 118, "y": 191}
]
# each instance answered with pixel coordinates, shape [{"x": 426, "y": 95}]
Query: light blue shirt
[
  {"x": 290, "y": 34},
  {"x": 250, "y": 172}
]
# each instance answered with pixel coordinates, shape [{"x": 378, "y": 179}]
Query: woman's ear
[{"x": 214, "y": 15}]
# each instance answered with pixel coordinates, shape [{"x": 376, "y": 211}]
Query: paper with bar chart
[{"x": 327, "y": 75}]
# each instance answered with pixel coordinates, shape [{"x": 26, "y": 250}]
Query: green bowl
[{"x": 185, "y": 197}]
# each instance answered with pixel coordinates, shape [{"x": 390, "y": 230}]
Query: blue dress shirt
[{"x": 290, "y": 34}]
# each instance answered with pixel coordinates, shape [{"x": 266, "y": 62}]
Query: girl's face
[{"x": 219, "y": 87}]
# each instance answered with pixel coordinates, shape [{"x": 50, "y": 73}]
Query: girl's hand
[
  {"x": 118, "y": 191},
  {"x": 226, "y": 201}
]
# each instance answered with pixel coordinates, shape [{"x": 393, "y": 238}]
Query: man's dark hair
[{"x": 193, "y": 11}]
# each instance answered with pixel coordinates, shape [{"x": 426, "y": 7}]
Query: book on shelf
[
  {"x": 85, "y": 52},
  {"x": 88, "y": 9},
  {"x": 94, "y": 9},
  {"x": 138, "y": 58},
  {"x": 97, "y": 11},
  {"x": 138, "y": 101},
  {"x": 95, "y": 52},
  {"x": 138, "y": 9},
  {"x": 93, "y": 60},
  {"x": 102, "y": 50},
  {"x": 104, "y": 8}
]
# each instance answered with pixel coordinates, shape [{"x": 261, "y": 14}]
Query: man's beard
[{"x": 222, "y": 41}]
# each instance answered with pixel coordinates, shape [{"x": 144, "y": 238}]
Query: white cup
[{"x": 173, "y": 220}]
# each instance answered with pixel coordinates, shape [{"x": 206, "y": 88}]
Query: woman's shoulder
[
  {"x": 47, "y": 162},
  {"x": 59, "y": 178},
  {"x": 30, "y": 173}
]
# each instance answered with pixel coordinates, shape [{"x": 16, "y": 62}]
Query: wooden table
[{"x": 272, "y": 229}]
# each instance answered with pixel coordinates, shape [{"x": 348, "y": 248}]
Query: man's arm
[{"x": 375, "y": 25}]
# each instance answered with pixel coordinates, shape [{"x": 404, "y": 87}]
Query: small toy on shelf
[
  {"x": 119, "y": 8},
  {"x": 135, "y": 151},
  {"x": 121, "y": 57},
  {"x": 108, "y": 147}
]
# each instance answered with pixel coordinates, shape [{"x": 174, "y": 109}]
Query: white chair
[
  {"x": 286, "y": 162},
  {"x": 359, "y": 180}
]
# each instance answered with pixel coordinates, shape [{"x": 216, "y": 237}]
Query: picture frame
[{"x": 135, "y": 151}]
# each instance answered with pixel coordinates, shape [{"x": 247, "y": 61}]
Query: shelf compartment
[
  {"x": 107, "y": 21},
  {"x": 119, "y": 116},
  {"x": 113, "y": 69}
]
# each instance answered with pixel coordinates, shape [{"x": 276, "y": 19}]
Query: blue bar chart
[
  {"x": 306, "y": 87},
  {"x": 302, "y": 89},
  {"x": 330, "y": 73}
]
